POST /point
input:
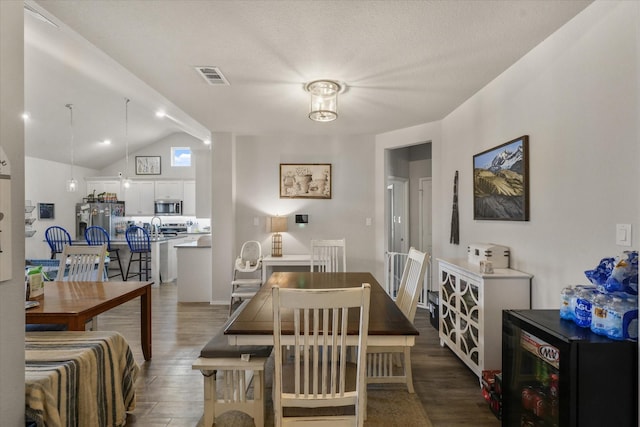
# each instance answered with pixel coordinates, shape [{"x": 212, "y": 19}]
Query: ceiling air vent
[{"x": 212, "y": 75}]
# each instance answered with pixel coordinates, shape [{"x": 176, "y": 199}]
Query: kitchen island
[
  {"x": 194, "y": 270},
  {"x": 160, "y": 258},
  {"x": 164, "y": 255}
]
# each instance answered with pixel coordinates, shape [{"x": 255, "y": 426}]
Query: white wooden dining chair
[
  {"x": 329, "y": 255},
  {"x": 393, "y": 364},
  {"x": 83, "y": 264},
  {"x": 319, "y": 373}
]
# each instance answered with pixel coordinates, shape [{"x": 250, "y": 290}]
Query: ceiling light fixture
[
  {"x": 324, "y": 99},
  {"x": 126, "y": 182},
  {"x": 25, "y": 116},
  {"x": 72, "y": 184}
]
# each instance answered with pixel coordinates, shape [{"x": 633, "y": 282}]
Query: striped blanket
[{"x": 79, "y": 378}]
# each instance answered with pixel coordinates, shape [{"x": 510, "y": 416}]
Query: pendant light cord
[
  {"x": 70, "y": 107},
  {"x": 126, "y": 136}
]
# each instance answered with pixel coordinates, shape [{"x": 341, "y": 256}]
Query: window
[{"x": 180, "y": 156}]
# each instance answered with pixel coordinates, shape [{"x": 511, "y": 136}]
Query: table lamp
[{"x": 278, "y": 225}]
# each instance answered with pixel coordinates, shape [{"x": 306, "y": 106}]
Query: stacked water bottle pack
[{"x": 609, "y": 306}]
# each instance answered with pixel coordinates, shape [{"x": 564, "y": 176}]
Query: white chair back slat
[
  {"x": 412, "y": 282},
  {"x": 328, "y": 255}
]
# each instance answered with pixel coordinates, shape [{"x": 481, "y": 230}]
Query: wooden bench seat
[{"x": 219, "y": 359}]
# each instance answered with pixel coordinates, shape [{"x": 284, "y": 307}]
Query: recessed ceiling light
[
  {"x": 160, "y": 114},
  {"x": 207, "y": 142},
  {"x": 107, "y": 142},
  {"x": 25, "y": 116}
]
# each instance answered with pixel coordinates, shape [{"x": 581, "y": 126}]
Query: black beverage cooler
[{"x": 557, "y": 374}]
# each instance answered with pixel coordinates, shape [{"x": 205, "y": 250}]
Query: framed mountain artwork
[{"x": 501, "y": 182}]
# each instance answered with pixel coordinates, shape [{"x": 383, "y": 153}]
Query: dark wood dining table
[
  {"x": 388, "y": 326},
  {"x": 74, "y": 303}
]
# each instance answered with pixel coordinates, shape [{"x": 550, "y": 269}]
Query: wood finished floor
[{"x": 169, "y": 392}]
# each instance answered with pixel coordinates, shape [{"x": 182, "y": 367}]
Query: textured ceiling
[{"x": 404, "y": 62}]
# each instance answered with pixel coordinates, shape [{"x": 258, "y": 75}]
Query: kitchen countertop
[
  {"x": 192, "y": 245},
  {"x": 160, "y": 239}
]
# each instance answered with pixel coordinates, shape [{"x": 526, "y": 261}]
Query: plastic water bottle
[
  {"x": 566, "y": 295},
  {"x": 615, "y": 315},
  {"x": 599, "y": 313},
  {"x": 630, "y": 318},
  {"x": 582, "y": 312}
]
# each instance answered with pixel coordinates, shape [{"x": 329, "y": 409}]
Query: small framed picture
[
  {"x": 46, "y": 211},
  {"x": 147, "y": 165}
]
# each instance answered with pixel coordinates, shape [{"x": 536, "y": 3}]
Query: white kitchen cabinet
[
  {"x": 194, "y": 273},
  {"x": 189, "y": 201},
  {"x": 471, "y": 305},
  {"x": 169, "y": 190},
  {"x": 139, "y": 198},
  {"x": 172, "y": 261},
  {"x": 104, "y": 186}
]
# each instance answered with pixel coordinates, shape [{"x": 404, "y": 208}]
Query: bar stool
[
  {"x": 57, "y": 237},
  {"x": 95, "y": 236},
  {"x": 140, "y": 244}
]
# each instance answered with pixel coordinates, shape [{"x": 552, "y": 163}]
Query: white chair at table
[
  {"x": 329, "y": 256},
  {"x": 319, "y": 374},
  {"x": 83, "y": 264},
  {"x": 383, "y": 362},
  {"x": 247, "y": 272}
]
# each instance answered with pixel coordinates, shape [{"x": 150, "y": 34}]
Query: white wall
[
  {"x": 344, "y": 215},
  {"x": 160, "y": 148},
  {"x": 576, "y": 96},
  {"x": 45, "y": 182},
  {"x": 12, "y": 141},
  {"x": 223, "y": 210}
]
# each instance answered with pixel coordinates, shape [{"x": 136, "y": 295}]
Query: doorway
[
  {"x": 408, "y": 211},
  {"x": 398, "y": 208},
  {"x": 408, "y": 198}
]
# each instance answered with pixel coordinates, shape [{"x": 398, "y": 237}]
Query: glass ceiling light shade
[
  {"x": 126, "y": 182},
  {"x": 324, "y": 100},
  {"x": 72, "y": 184}
]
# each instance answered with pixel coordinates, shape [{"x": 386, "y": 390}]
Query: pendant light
[
  {"x": 72, "y": 184},
  {"x": 126, "y": 182}
]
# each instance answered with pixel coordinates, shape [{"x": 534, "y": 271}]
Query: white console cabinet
[{"x": 471, "y": 305}]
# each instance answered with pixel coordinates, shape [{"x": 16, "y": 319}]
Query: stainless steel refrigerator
[{"x": 109, "y": 216}]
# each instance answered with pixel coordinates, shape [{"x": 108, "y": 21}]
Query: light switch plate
[{"x": 623, "y": 234}]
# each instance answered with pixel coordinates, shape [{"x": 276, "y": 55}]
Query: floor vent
[{"x": 212, "y": 75}]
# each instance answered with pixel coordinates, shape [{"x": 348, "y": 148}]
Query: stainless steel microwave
[{"x": 168, "y": 207}]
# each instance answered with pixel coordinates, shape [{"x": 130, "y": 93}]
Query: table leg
[
  {"x": 76, "y": 323},
  {"x": 145, "y": 322}
]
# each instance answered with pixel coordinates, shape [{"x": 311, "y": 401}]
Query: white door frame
[{"x": 401, "y": 218}]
